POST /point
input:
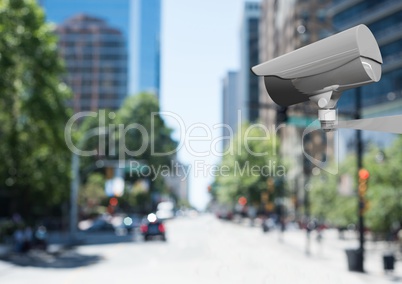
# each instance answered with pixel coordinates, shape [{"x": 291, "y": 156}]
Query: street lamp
[
  {"x": 359, "y": 150},
  {"x": 75, "y": 178}
]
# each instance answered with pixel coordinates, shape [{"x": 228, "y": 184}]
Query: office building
[
  {"x": 178, "y": 181},
  {"x": 95, "y": 56},
  {"x": 284, "y": 27},
  {"x": 145, "y": 46},
  {"x": 248, "y": 95},
  {"x": 140, "y": 24},
  {"x": 229, "y": 106},
  {"x": 384, "y": 19}
]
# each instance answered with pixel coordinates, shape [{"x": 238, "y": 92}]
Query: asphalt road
[{"x": 198, "y": 250}]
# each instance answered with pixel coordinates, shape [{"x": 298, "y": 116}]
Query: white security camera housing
[{"x": 322, "y": 70}]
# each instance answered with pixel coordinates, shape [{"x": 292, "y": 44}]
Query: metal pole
[
  {"x": 75, "y": 183},
  {"x": 307, "y": 212},
  {"x": 75, "y": 180},
  {"x": 359, "y": 149}
]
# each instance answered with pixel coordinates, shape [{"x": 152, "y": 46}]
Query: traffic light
[
  {"x": 271, "y": 185},
  {"x": 363, "y": 179},
  {"x": 113, "y": 201},
  {"x": 242, "y": 201},
  {"x": 270, "y": 206},
  {"x": 264, "y": 197},
  {"x": 281, "y": 115},
  {"x": 109, "y": 173}
]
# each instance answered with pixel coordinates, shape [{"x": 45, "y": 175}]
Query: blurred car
[
  {"x": 152, "y": 228},
  {"x": 268, "y": 225},
  {"x": 126, "y": 224},
  {"x": 165, "y": 210},
  {"x": 100, "y": 225},
  {"x": 224, "y": 214}
]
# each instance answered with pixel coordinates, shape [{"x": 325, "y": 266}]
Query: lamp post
[
  {"x": 307, "y": 213},
  {"x": 75, "y": 179},
  {"x": 359, "y": 150}
]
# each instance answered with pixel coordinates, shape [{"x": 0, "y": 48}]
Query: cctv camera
[{"x": 322, "y": 70}]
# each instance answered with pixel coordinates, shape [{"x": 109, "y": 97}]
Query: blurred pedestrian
[
  {"x": 283, "y": 224},
  {"x": 18, "y": 240},
  {"x": 27, "y": 243},
  {"x": 17, "y": 218},
  {"x": 320, "y": 230},
  {"x": 400, "y": 239},
  {"x": 41, "y": 237}
]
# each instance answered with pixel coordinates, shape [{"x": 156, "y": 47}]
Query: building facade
[
  {"x": 140, "y": 23},
  {"x": 95, "y": 56},
  {"x": 230, "y": 117},
  {"x": 276, "y": 38},
  {"x": 145, "y": 46},
  {"x": 384, "y": 19},
  {"x": 288, "y": 25},
  {"x": 284, "y": 27},
  {"x": 178, "y": 182},
  {"x": 114, "y": 12},
  {"x": 248, "y": 95}
]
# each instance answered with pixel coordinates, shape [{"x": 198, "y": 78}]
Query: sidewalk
[
  {"x": 89, "y": 238},
  {"x": 331, "y": 249},
  {"x": 61, "y": 252}
]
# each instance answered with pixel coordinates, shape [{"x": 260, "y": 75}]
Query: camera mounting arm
[
  {"x": 390, "y": 124},
  {"x": 326, "y": 102},
  {"x": 327, "y": 115}
]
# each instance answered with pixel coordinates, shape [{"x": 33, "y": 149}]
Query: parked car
[
  {"x": 101, "y": 225},
  {"x": 153, "y": 228},
  {"x": 165, "y": 210},
  {"x": 224, "y": 213},
  {"x": 268, "y": 224}
]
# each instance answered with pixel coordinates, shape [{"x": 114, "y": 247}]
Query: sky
[{"x": 200, "y": 44}]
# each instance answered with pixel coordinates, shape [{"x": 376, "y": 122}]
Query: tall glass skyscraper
[
  {"x": 96, "y": 62},
  {"x": 230, "y": 88},
  {"x": 138, "y": 20},
  {"x": 114, "y": 12},
  {"x": 145, "y": 47},
  {"x": 384, "y": 19},
  {"x": 248, "y": 96}
]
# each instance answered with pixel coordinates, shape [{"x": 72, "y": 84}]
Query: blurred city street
[
  {"x": 207, "y": 250},
  {"x": 231, "y": 141}
]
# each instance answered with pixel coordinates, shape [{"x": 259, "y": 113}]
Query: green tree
[
  {"x": 142, "y": 111},
  {"x": 141, "y": 134},
  {"x": 92, "y": 193},
  {"x": 35, "y": 159},
  {"x": 103, "y": 119},
  {"x": 149, "y": 139},
  {"x": 249, "y": 161},
  {"x": 384, "y": 193},
  {"x": 326, "y": 201}
]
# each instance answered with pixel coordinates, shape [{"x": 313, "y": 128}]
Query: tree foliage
[
  {"x": 326, "y": 201},
  {"x": 143, "y": 110},
  {"x": 92, "y": 193},
  {"x": 249, "y": 162},
  {"x": 384, "y": 193},
  {"x": 138, "y": 133},
  {"x": 35, "y": 161}
]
